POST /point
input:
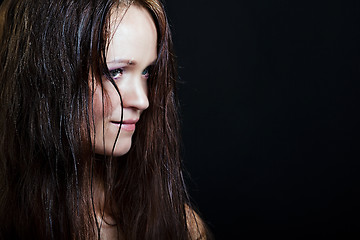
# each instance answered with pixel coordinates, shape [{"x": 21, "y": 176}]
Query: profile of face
[{"x": 131, "y": 52}]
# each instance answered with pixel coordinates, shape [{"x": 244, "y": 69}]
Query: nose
[{"x": 134, "y": 95}]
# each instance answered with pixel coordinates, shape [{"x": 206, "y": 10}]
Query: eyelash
[{"x": 116, "y": 73}]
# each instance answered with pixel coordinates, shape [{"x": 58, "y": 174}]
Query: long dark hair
[{"x": 47, "y": 162}]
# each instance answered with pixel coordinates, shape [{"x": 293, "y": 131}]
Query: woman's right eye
[{"x": 116, "y": 73}]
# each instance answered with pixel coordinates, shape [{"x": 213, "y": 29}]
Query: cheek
[
  {"x": 98, "y": 105},
  {"x": 105, "y": 102},
  {"x": 102, "y": 101}
]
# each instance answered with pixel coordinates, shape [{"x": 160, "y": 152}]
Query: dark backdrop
[{"x": 269, "y": 99}]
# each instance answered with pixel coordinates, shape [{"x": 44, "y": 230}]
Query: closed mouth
[
  {"x": 125, "y": 122},
  {"x": 127, "y": 125}
]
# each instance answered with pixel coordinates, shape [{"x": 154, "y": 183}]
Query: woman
[{"x": 77, "y": 78}]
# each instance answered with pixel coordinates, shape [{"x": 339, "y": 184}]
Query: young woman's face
[{"x": 132, "y": 50}]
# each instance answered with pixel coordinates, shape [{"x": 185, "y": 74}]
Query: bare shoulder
[{"x": 195, "y": 225}]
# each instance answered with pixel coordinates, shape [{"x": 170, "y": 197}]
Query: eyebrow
[{"x": 128, "y": 61}]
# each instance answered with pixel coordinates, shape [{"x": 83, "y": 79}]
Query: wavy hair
[{"x": 47, "y": 161}]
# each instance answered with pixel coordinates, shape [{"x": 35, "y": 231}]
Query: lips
[{"x": 127, "y": 125}]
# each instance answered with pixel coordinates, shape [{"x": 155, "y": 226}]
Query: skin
[{"x": 132, "y": 50}]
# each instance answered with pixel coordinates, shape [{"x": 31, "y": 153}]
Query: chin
[
  {"x": 121, "y": 148},
  {"x": 121, "y": 152}
]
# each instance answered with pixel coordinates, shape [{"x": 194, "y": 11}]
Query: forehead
[{"x": 132, "y": 33}]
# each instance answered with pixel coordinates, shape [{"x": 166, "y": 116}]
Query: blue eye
[
  {"x": 116, "y": 73},
  {"x": 146, "y": 72}
]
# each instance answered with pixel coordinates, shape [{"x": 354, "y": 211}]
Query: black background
[{"x": 269, "y": 102}]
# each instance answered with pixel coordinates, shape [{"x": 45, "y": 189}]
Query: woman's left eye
[
  {"x": 116, "y": 73},
  {"x": 146, "y": 73}
]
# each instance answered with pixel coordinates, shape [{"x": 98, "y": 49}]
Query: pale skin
[{"x": 132, "y": 50}]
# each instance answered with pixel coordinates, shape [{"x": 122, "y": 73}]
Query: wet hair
[{"x": 47, "y": 161}]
